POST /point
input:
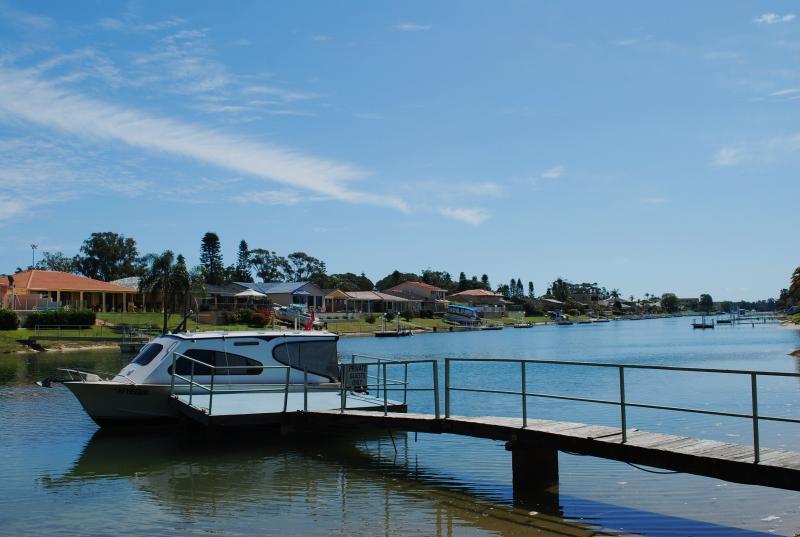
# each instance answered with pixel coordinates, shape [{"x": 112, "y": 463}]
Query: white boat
[{"x": 141, "y": 391}]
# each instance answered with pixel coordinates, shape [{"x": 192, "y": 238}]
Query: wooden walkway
[{"x": 730, "y": 462}]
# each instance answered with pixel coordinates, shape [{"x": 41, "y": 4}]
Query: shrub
[
  {"x": 390, "y": 316},
  {"x": 531, "y": 310},
  {"x": 407, "y": 315},
  {"x": 61, "y": 318},
  {"x": 574, "y": 312},
  {"x": 370, "y": 319},
  {"x": 245, "y": 315},
  {"x": 426, "y": 314},
  {"x": 8, "y": 320},
  {"x": 259, "y": 320}
]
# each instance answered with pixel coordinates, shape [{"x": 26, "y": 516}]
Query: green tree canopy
[
  {"x": 302, "y": 266},
  {"x": 56, "y": 261},
  {"x": 669, "y": 302},
  {"x": 706, "y": 302},
  {"x": 211, "y": 258},
  {"x": 269, "y": 266},
  {"x": 108, "y": 256},
  {"x": 395, "y": 278}
]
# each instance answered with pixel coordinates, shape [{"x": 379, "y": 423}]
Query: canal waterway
[{"x": 60, "y": 475}]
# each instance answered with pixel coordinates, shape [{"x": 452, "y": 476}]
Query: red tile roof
[
  {"x": 476, "y": 292},
  {"x": 48, "y": 280},
  {"x": 423, "y": 285}
]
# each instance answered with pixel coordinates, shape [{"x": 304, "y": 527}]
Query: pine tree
[
  {"x": 531, "y": 294},
  {"x": 211, "y": 258},
  {"x": 462, "y": 282},
  {"x": 485, "y": 282},
  {"x": 519, "y": 291},
  {"x": 242, "y": 273}
]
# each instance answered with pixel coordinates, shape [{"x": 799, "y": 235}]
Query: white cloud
[
  {"x": 283, "y": 94},
  {"x": 271, "y": 197},
  {"x": 553, "y": 173},
  {"x": 320, "y": 38},
  {"x": 784, "y": 92},
  {"x": 23, "y": 18},
  {"x": 486, "y": 188},
  {"x": 774, "y": 18},
  {"x": 25, "y": 96},
  {"x": 9, "y": 208},
  {"x": 727, "y": 156},
  {"x": 474, "y": 216},
  {"x": 129, "y": 24},
  {"x": 411, "y": 27}
]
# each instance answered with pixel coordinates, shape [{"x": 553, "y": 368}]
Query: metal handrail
[
  {"x": 210, "y": 389},
  {"x": 384, "y": 384},
  {"x": 622, "y": 403}
]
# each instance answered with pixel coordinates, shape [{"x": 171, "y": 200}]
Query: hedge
[
  {"x": 8, "y": 320},
  {"x": 61, "y": 317}
]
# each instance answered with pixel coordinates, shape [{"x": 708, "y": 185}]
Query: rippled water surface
[{"x": 60, "y": 475}]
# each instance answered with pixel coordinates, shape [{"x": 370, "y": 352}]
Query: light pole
[{"x": 33, "y": 255}]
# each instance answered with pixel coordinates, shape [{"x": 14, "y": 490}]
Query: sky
[{"x": 649, "y": 147}]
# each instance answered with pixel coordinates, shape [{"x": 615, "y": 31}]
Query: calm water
[{"x": 59, "y": 474}]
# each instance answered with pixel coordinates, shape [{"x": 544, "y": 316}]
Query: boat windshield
[{"x": 147, "y": 354}]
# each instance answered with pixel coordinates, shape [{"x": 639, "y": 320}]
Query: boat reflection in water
[{"x": 243, "y": 482}]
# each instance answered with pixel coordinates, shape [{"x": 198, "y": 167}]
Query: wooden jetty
[{"x": 534, "y": 443}]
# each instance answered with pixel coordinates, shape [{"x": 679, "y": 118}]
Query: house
[
  {"x": 487, "y": 303},
  {"x": 287, "y": 293},
  {"x": 336, "y": 301},
  {"x": 377, "y": 302},
  {"x": 48, "y": 289},
  {"x": 688, "y": 303},
  {"x": 430, "y": 297}
]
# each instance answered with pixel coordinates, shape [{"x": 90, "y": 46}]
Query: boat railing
[
  {"x": 381, "y": 383},
  {"x": 523, "y": 393},
  {"x": 210, "y": 388}
]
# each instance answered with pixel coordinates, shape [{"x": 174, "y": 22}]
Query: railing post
[
  {"x": 405, "y": 384},
  {"x": 305, "y": 389},
  {"x": 191, "y": 384},
  {"x": 385, "y": 394},
  {"x": 623, "y": 417},
  {"x": 172, "y": 382},
  {"x": 345, "y": 372},
  {"x": 211, "y": 391},
  {"x": 446, "y": 388},
  {"x": 754, "y": 390},
  {"x": 524, "y": 396},
  {"x": 435, "y": 387},
  {"x": 286, "y": 389}
]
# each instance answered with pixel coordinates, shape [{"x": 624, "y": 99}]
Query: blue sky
[{"x": 648, "y": 147}]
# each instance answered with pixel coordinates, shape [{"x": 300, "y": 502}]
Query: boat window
[
  {"x": 318, "y": 357},
  {"x": 147, "y": 354},
  {"x": 244, "y": 343},
  {"x": 226, "y": 363}
]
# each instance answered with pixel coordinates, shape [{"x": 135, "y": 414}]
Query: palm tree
[{"x": 166, "y": 277}]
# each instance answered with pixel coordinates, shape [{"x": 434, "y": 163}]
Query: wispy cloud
[
  {"x": 25, "y": 96},
  {"x": 131, "y": 24},
  {"x": 553, "y": 173},
  {"x": 271, "y": 197},
  {"x": 25, "y": 19},
  {"x": 320, "y": 38},
  {"x": 654, "y": 200},
  {"x": 726, "y": 156},
  {"x": 626, "y": 42},
  {"x": 774, "y": 18},
  {"x": 486, "y": 188},
  {"x": 470, "y": 215},
  {"x": 412, "y": 27},
  {"x": 785, "y": 92}
]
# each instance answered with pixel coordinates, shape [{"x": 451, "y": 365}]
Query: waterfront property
[
  {"x": 487, "y": 303},
  {"x": 378, "y": 302},
  {"x": 431, "y": 297},
  {"x": 288, "y": 293},
  {"x": 46, "y": 289}
]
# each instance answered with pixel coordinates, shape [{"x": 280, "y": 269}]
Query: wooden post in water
[{"x": 535, "y": 477}]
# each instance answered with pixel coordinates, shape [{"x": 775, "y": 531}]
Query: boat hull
[{"x": 114, "y": 403}]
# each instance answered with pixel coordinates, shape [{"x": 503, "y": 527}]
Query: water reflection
[{"x": 195, "y": 475}]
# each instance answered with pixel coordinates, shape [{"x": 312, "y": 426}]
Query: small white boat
[{"x": 141, "y": 391}]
